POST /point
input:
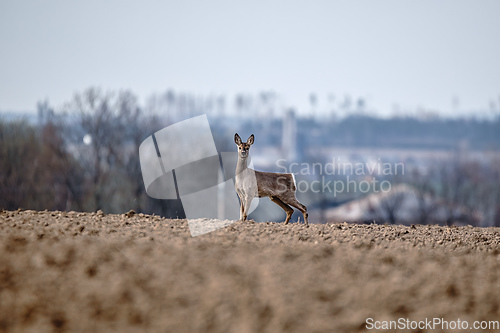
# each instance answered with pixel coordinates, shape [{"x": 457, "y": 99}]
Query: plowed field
[{"x": 91, "y": 272}]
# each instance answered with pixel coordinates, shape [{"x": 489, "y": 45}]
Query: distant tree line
[
  {"x": 84, "y": 155},
  {"x": 407, "y": 132}
]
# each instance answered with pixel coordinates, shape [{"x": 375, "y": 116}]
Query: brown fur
[{"x": 279, "y": 187}]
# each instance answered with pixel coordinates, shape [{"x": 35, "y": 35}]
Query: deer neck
[{"x": 241, "y": 165}]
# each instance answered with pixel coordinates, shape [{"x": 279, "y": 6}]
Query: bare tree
[
  {"x": 425, "y": 194},
  {"x": 19, "y": 148},
  {"x": 100, "y": 142},
  {"x": 463, "y": 186},
  {"x": 390, "y": 206},
  {"x": 35, "y": 168},
  {"x": 62, "y": 175},
  {"x": 137, "y": 126}
]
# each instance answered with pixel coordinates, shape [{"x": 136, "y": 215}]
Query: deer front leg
[
  {"x": 246, "y": 206},
  {"x": 242, "y": 198},
  {"x": 241, "y": 210}
]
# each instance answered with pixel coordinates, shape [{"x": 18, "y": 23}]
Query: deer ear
[
  {"x": 237, "y": 139},
  {"x": 251, "y": 140}
]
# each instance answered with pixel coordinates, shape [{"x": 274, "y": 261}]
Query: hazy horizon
[{"x": 440, "y": 56}]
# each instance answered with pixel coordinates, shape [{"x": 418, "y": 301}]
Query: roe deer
[{"x": 279, "y": 187}]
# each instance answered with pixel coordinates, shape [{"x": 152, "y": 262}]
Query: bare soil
[{"x": 90, "y": 272}]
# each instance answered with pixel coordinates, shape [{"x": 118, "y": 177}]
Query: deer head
[{"x": 243, "y": 147}]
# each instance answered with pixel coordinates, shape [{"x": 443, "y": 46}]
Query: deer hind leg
[
  {"x": 288, "y": 209},
  {"x": 292, "y": 201}
]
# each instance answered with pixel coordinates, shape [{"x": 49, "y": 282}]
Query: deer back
[{"x": 274, "y": 184}]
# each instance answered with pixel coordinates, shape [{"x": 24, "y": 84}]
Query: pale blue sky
[{"x": 410, "y": 53}]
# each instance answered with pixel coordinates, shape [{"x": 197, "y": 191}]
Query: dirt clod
[{"x": 130, "y": 213}]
